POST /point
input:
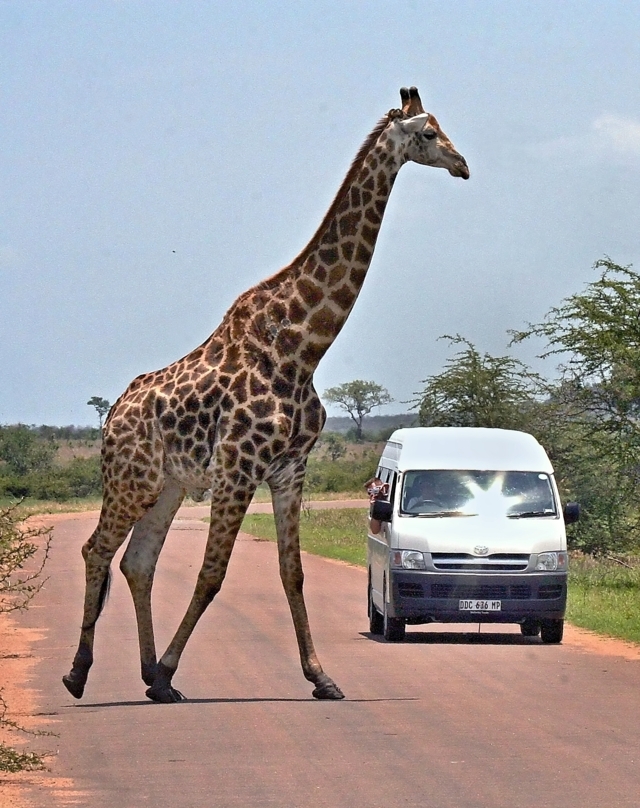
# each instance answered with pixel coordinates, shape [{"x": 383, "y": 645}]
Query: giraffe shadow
[{"x": 266, "y": 700}]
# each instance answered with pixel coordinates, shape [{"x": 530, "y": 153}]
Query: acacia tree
[
  {"x": 102, "y": 407},
  {"x": 478, "y": 390},
  {"x": 358, "y": 398},
  {"x": 593, "y": 418}
]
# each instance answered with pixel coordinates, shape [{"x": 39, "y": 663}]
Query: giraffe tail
[{"x": 102, "y": 600}]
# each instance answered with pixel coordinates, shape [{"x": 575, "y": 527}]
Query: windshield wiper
[
  {"x": 527, "y": 514},
  {"x": 431, "y": 514}
]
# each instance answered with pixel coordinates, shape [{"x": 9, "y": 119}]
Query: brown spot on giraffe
[{"x": 241, "y": 409}]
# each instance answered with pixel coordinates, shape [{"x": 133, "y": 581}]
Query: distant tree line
[{"x": 28, "y": 468}]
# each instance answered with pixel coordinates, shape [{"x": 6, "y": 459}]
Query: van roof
[{"x": 465, "y": 448}]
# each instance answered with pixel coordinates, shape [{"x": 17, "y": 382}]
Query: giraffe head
[{"x": 423, "y": 139}]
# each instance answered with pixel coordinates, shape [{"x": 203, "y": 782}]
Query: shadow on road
[
  {"x": 149, "y": 703},
  {"x": 457, "y": 638}
]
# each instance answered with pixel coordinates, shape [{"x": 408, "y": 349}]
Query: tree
[
  {"x": 594, "y": 414},
  {"x": 358, "y": 398},
  {"x": 478, "y": 390},
  {"x": 101, "y": 405}
]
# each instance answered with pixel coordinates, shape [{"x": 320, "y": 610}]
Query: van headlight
[
  {"x": 408, "y": 560},
  {"x": 550, "y": 562}
]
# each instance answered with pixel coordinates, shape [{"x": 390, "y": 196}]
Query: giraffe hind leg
[
  {"x": 98, "y": 552},
  {"x": 138, "y": 566}
]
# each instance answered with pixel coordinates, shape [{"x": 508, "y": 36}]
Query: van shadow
[{"x": 457, "y": 638}]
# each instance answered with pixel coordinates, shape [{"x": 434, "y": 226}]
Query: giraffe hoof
[
  {"x": 328, "y": 690},
  {"x": 149, "y": 673},
  {"x": 165, "y": 695},
  {"x": 74, "y": 685}
]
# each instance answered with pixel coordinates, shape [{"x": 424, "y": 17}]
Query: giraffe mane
[
  {"x": 356, "y": 165},
  {"x": 275, "y": 279}
]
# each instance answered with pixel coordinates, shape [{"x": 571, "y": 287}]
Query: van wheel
[
  {"x": 393, "y": 628},
  {"x": 376, "y": 623},
  {"x": 530, "y": 628},
  {"x": 551, "y": 631}
]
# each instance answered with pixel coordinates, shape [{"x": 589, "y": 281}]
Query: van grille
[
  {"x": 496, "y": 562},
  {"x": 481, "y": 591},
  {"x": 408, "y": 590}
]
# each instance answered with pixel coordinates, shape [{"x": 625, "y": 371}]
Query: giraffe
[{"x": 241, "y": 409}]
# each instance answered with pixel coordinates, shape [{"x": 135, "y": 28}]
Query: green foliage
[
  {"x": 339, "y": 475},
  {"x": 478, "y": 390},
  {"x": 19, "y": 545},
  {"x": 592, "y": 418},
  {"x": 81, "y": 477},
  {"x": 340, "y": 533},
  {"x": 358, "y": 398},
  {"x": 22, "y": 452},
  {"x": 336, "y": 445},
  {"x": 604, "y": 596}
]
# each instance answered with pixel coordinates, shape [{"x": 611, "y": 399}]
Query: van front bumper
[{"x": 424, "y": 597}]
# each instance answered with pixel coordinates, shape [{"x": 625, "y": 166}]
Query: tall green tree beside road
[
  {"x": 593, "y": 417},
  {"x": 102, "y": 407},
  {"x": 478, "y": 390},
  {"x": 358, "y": 398}
]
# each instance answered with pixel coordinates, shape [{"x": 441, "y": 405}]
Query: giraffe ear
[{"x": 414, "y": 124}]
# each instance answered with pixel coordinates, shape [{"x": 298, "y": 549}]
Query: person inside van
[{"x": 423, "y": 495}]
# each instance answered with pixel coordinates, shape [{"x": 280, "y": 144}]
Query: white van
[{"x": 472, "y": 532}]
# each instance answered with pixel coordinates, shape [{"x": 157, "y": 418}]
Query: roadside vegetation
[{"x": 23, "y": 553}]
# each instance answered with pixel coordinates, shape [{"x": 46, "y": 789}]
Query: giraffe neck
[{"x": 301, "y": 309}]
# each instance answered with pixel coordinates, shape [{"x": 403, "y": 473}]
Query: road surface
[{"x": 445, "y": 720}]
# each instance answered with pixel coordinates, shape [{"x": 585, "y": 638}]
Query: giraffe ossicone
[{"x": 241, "y": 409}]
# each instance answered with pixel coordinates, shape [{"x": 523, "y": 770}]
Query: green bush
[
  {"x": 79, "y": 478},
  {"x": 340, "y": 475}
]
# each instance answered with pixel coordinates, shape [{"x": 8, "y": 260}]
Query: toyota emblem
[{"x": 480, "y": 549}]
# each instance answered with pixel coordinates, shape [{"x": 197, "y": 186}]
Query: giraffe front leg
[{"x": 286, "y": 509}]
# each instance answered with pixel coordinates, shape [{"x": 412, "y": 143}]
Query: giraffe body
[{"x": 241, "y": 409}]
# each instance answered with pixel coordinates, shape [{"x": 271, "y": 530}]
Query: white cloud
[
  {"x": 622, "y": 134},
  {"x": 607, "y": 136}
]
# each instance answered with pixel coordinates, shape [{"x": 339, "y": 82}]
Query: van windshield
[{"x": 509, "y": 494}]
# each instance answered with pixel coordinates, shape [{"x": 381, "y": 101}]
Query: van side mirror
[
  {"x": 382, "y": 510},
  {"x": 571, "y": 513}
]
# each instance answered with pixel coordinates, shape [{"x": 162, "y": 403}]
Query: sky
[{"x": 158, "y": 158}]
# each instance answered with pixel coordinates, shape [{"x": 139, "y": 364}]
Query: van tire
[
  {"x": 376, "y": 622},
  {"x": 393, "y": 628},
  {"x": 551, "y": 631}
]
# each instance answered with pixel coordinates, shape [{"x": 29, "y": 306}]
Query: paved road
[{"x": 445, "y": 720}]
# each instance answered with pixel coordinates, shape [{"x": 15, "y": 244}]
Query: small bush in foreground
[{"x": 17, "y": 588}]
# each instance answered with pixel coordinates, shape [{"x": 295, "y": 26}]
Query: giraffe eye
[{"x": 430, "y": 135}]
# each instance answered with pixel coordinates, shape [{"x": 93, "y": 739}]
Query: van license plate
[{"x": 480, "y": 605}]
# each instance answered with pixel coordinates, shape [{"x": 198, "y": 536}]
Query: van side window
[{"x": 394, "y": 481}]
